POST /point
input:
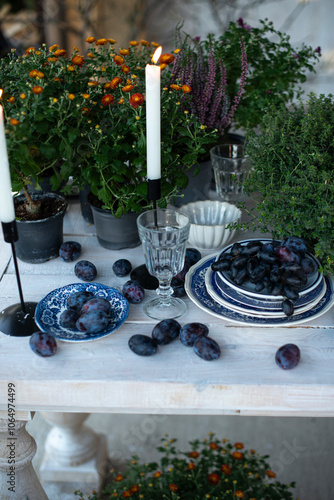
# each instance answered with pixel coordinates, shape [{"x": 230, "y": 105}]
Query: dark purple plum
[
  {"x": 166, "y": 331},
  {"x": 189, "y": 333},
  {"x": 284, "y": 254},
  {"x": 182, "y": 274},
  {"x": 68, "y": 318},
  {"x": 77, "y": 299},
  {"x": 207, "y": 348},
  {"x": 309, "y": 266},
  {"x": 122, "y": 267},
  {"x": 143, "y": 345},
  {"x": 85, "y": 270},
  {"x": 43, "y": 344},
  {"x": 69, "y": 251},
  {"x": 96, "y": 304},
  {"x": 296, "y": 244},
  {"x": 178, "y": 287},
  {"x": 192, "y": 256},
  {"x": 93, "y": 322},
  {"x": 287, "y": 356},
  {"x": 133, "y": 292}
]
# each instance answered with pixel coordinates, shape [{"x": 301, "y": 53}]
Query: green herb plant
[{"x": 293, "y": 172}]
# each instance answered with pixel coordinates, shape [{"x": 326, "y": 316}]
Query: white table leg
[
  {"x": 73, "y": 451},
  {"x": 18, "y": 478}
]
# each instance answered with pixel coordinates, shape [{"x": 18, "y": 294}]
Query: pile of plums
[
  {"x": 193, "y": 335},
  {"x": 86, "y": 312},
  {"x": 278, "y": 268}
]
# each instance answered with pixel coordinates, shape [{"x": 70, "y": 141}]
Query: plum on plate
[
  {"x": 93, "y": 322},
  {"x": 77, "y": 299},
  {"x": 68, "y": 318}
]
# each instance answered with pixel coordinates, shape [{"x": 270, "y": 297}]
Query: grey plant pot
[
  {"x": 39, "y": 240},
  {"x": 115, "y": 233}
]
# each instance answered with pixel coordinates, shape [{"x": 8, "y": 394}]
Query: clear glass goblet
[{"x": 164, "y": 234}]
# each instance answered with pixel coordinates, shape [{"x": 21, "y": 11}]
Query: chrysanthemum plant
[
  {"x": 213, "y": 469},
  {"x": 235, "y": 76},
  {"x": 84, "y": 116}
]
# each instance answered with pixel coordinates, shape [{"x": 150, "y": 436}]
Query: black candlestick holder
[
  {"x": 17, "y": 320},
  {"x": 154, "y": 191}
]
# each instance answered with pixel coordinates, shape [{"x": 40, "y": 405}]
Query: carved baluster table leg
[
  {"x": 18, "y": 478},
  {"x": 73, "y": 451}
]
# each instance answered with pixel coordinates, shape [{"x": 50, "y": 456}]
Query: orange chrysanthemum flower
[
  {"x": 125, "y": 69},
  {"x": 14, "y": 121},
  {"x": 121, "y": 101},
  {"x": 112, "y": 41},
  {"x": 71, "y": 97},
  {"x": 60, "y": 53},
  {"x": 252, "y": 451},
  {"x": 101, "y": 41},
  {"x": 108, "y": 99},
  {"x": 37, "y": 89},
  {"x": 124, "y": 52},
  {"x": 239, "y": 446},
  {"x": 270, "y": 473},
  {"x": 191, "y": 466},
  {"x": 134, "y": 488},
  {"x": 239, "y": 494},
  {"x": 119, "y": 60},
  {"x": 173, "y": 487},
  {"x": 175, "y": 87},
  {"x": 53, "y": 47},
  {"x": 134, "y": 43},
  {"x": 107, "y": 86},
  {"x": 119, "y": 478},
  {"x": 86, "y": 96},
  {"x": 237, "y": 455},
  {"x": 213, "y": 478},
  {"x": 29, "y": 50},
  {"x": 166, "y": 58},
  {"x": 70, "y": 68},
  {"x": 127, "y": 88},
  {"x": 127, "y": 494},
  {"x": 23, "y": 95},
  {"x": 157, "y": 474},
  {"x": 213, "y": 446},
  {"x": 11, "y": 99},
  {"x": 193, "y": 454},
  {"x": 92, "y": 83},
  {"x": 77, "y": 60},
  {"x": 162, "y": 66},
  {"x": 145, "y": 42},
  {"x": 52, "y": 59},
  {"x": 155, "y": 44},
  {"x": 33, "y": 73},
  {"x": 136, "y": 100},
  {"x": 226, "y": 469},
  {"x": 186, "y": 89},
  {"x": 115, "y": 82},
  {"x": 90, "y": 39},
  {"x": 90, "y": 55},
  {"x": 57, "y": 80},
  {"x": 85, "y": 111}
]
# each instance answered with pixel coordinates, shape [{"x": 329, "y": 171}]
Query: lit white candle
[
  {"x": 153, "y": 118},
  {"x": 7, "y": 213}
]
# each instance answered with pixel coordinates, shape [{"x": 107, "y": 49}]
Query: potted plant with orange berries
[{"x": 211, "y": 468}]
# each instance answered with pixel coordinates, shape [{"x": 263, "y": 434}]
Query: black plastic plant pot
[{"x": 39, "y": 240}]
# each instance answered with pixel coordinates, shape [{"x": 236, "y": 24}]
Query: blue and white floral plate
[
  {"x": 247, "y": 305},
  {"x": 49, "y": 309},
  {"x": 197, "y": 292}
]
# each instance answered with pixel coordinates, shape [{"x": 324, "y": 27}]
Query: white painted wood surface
[{"x": 105, "y": 376}]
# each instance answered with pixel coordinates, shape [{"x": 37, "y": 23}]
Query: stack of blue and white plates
[{"x": 216, "y": 293}]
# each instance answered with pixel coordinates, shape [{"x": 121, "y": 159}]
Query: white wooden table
[{"x": 105, "y": 376}]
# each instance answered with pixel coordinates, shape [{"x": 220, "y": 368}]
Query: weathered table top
[{"x": 105, "y": 376}]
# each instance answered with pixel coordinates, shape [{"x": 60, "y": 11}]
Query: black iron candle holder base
[
  {"x": 154, "y": 189},
  {"x": 18, "y": 323}
]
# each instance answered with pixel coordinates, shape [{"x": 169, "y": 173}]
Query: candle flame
[
  {"x": 156, "y": 55},
  {"x": 1, "y": 91}
]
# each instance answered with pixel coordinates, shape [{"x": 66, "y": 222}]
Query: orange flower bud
[
  {"x": 52, "y": 59},
  {"x": 175, "y": 87},
  {"x": 213, "y": 446},
  {"x": 93, "y": 83},
  {"x": 86, "y": 96},
  {"x": 40, "y": 74},
  {"x": 115, "y": 82},
  {"x": 118, "y": 478},
  {"x": 85, "y": 111},
  {"x": 134, "y": 488},
  {"x": 71, "y": 97},
  {"x": 186, "y": 89},
  {"x": 108, "y": 99},
  {"x": 125, "y": 69},
  {"x": 145, "y": 42},
  {"x": 157, "y": 474},
  {"x": 11, "y": 99},
  {"x": 111, "y": 41},
  {"x": 60, "y": 53},
  {"x": 23, "y": 96},
  {"x": 90, "y": 39},
  {"x": 237, "y": 455},
  {"x": 239, "y": 494},
  {"x": 166, "y": 58},
  {"x": 127, "y": 88},
  {"x": 133, "y": 43},
  {"x": 70, "y": 68},
  {"x": 77, "y": 60},
  {"x": 90, "y": 55},
  {"x": 101, "y": 41},
  {"x": 37, "y": 89},
  {"x": 191, "y": 466},
  {"x": 162, "y": 66},
  {"x": 57, "y": 80},
  {"x": 124, "y": 52},
  {"x": 33, "y": 73},
  {"x": 119, "y": 60},
  {"x": 173, "y": 487},
  {"x": 155, "y": 44},
  {"x": 176, "y": 51},
  {"x": 29, "y": 50},
  {"x": 14, "y": 121},
  {"x": 239, "y": 446},
  {"x": 193, "y": 454},
  {"x": 53, "y": 47}
]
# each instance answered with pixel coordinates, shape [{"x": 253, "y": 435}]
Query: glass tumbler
[
  {"x": 164, "y": 234},
  {"x": 231, "y": 168}
]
